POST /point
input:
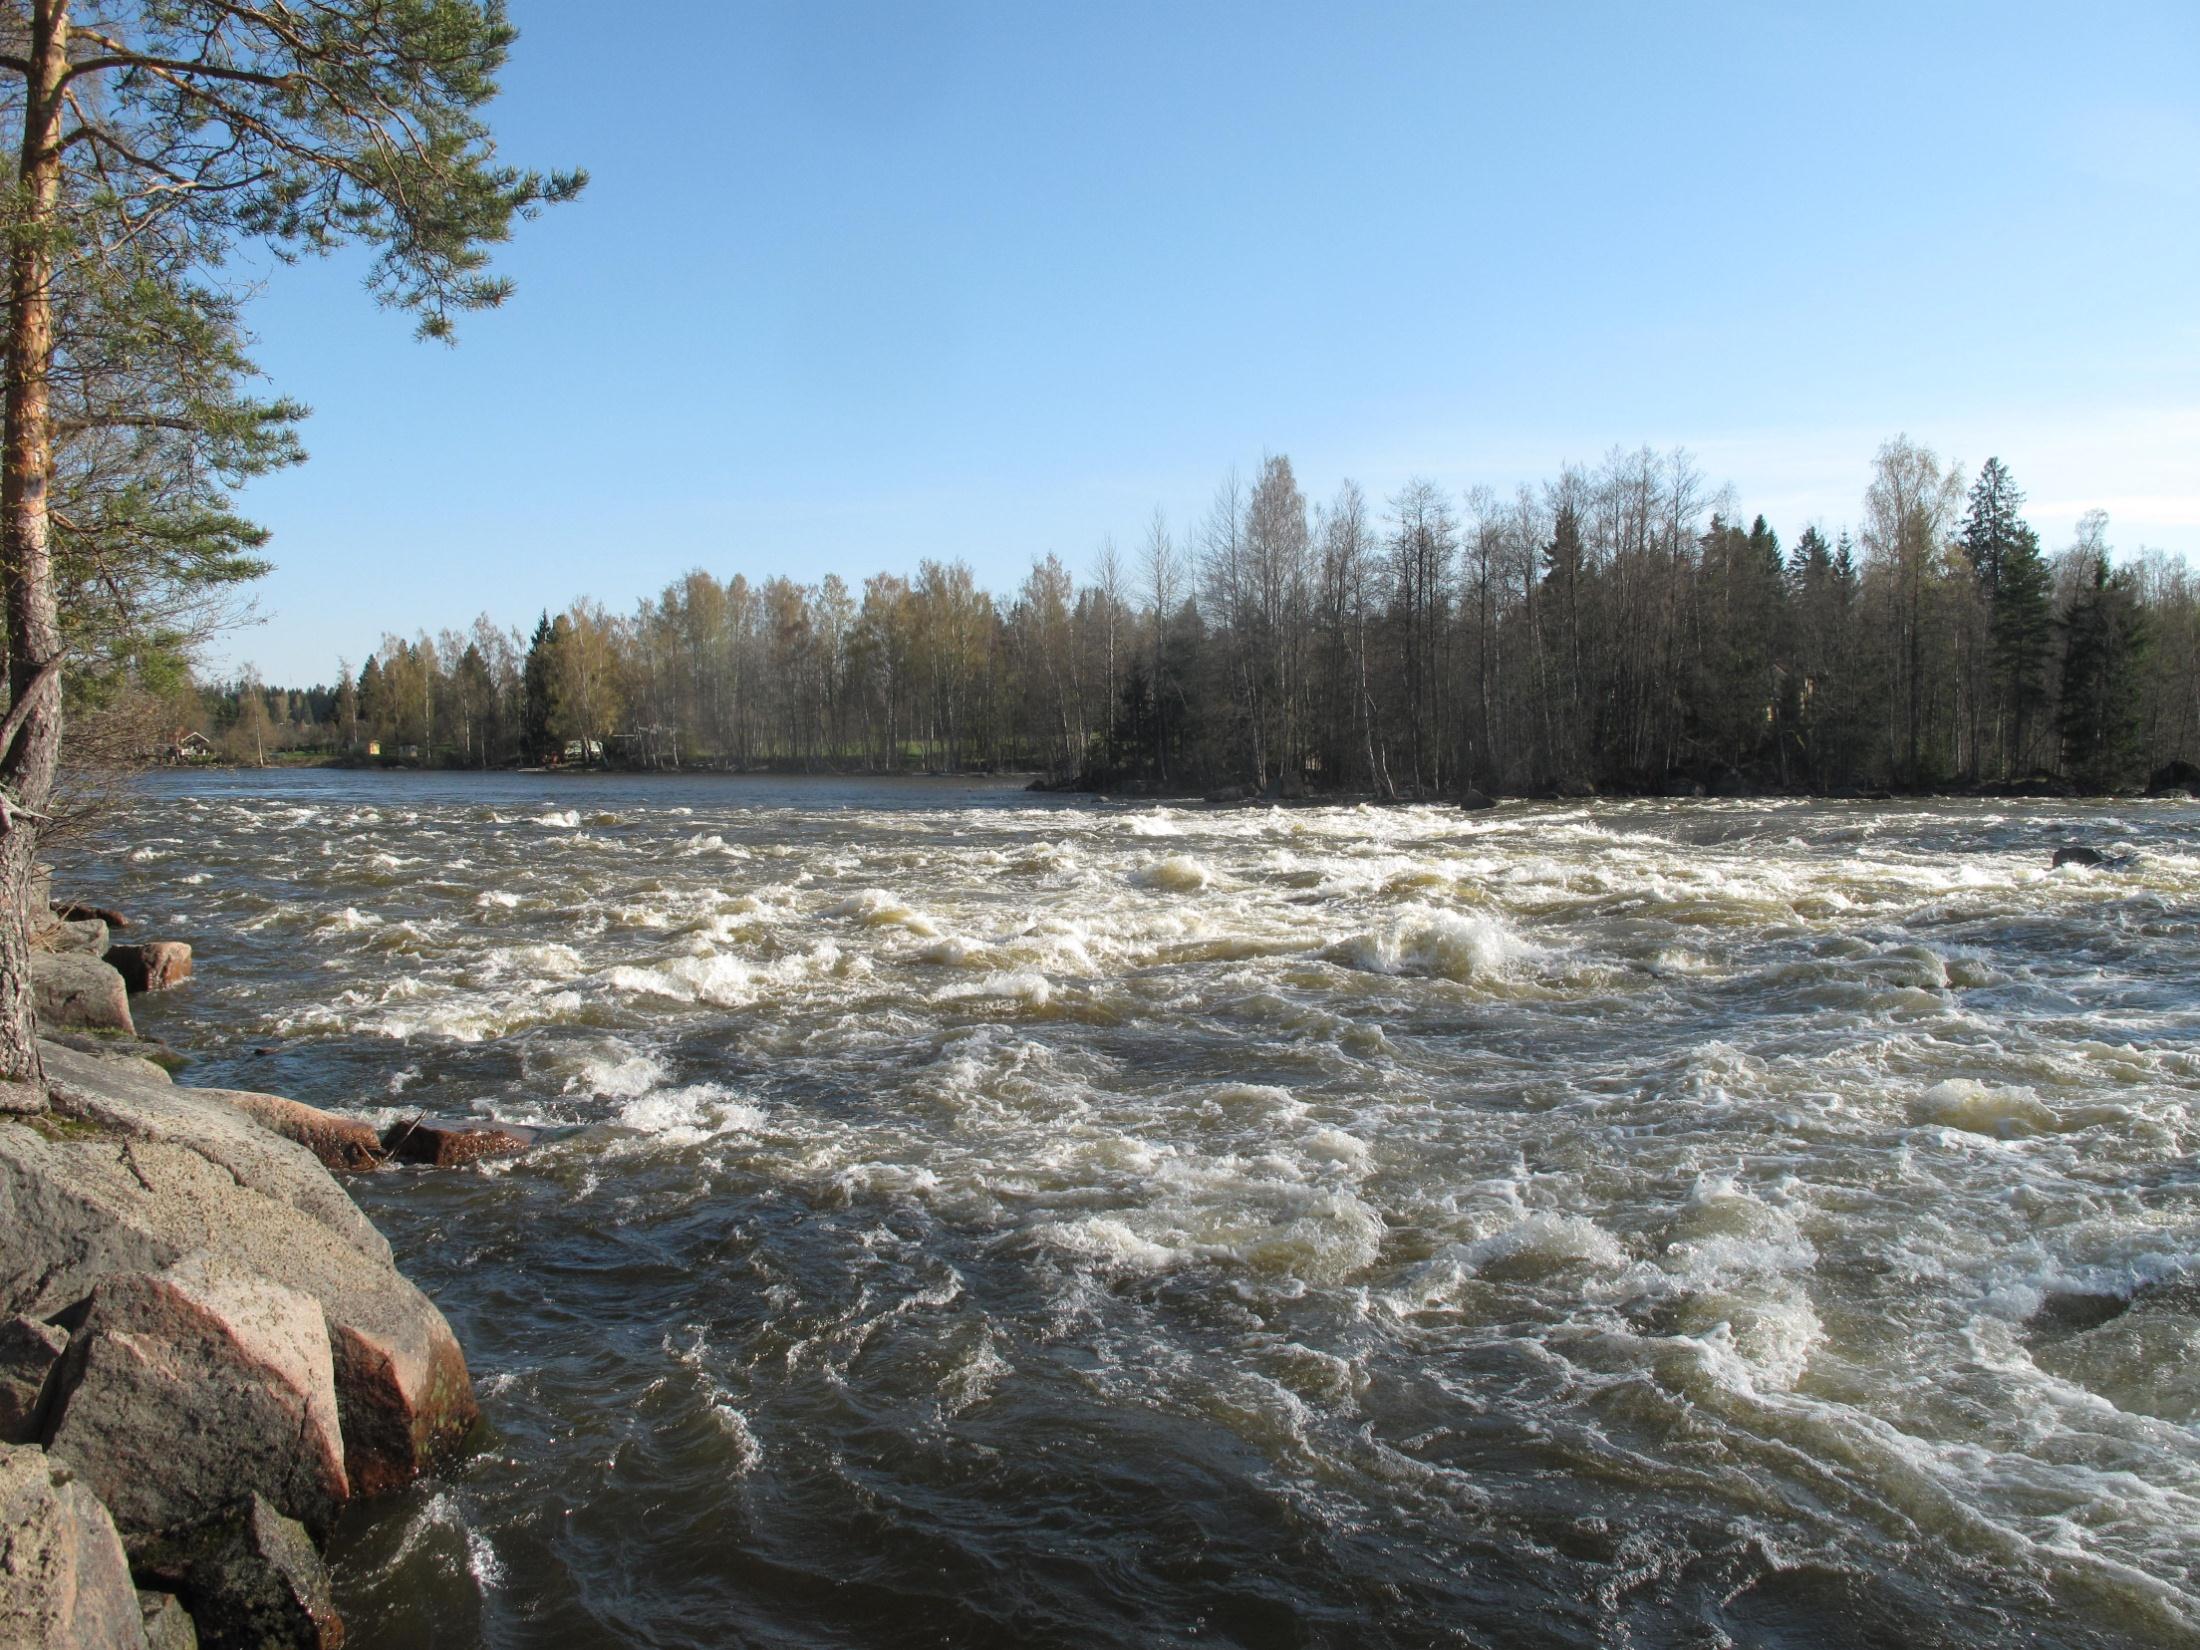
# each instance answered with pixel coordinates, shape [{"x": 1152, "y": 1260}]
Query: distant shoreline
[{"x": 2168, "y": 787}]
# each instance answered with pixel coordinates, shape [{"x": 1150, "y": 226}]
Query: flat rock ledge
[{"x": 205, "y": 1352}]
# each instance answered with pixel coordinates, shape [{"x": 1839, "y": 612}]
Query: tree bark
[{"x": 33, "y": 628}]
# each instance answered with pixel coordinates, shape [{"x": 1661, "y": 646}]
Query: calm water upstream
[{"x": 973, "y": 1219}]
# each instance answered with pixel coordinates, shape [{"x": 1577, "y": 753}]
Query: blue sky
[{"x": 858, "y": 284}]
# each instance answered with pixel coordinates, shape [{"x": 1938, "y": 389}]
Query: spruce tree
[
  {"x": 2104, "y": 641},
  {"x": 1565, "y": 564},
  {"x": 1991, "y": 523},
  {"x": 536, "y": 676},
  {"x": 2004, "y": 553},
  {"x": 2023, "y": 639},
  {"x": 374, "y": 700}
]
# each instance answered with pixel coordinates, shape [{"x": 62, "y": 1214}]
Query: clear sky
[{"x": 859, "y": 284}]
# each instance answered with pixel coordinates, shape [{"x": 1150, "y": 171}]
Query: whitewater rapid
[{"x": 972, "y": 1218}]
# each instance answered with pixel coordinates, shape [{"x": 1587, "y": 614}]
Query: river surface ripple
[{"x": 976, "y": 1219}]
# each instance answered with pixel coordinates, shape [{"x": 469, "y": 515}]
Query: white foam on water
[
  {"x": 1335, "y": 1146},
  {"x": 957, "y": 951},
  {"x": 1542, "y": 1242},
  {"x": 482, "y": 1562},
  {"x": 725, "y": 981},
  {"x": 1111, "y": 1240},
  {"x": 1175, "y": 874},
  {"x": 700, "y": 845},
  {"x": 748, "y": 1454},
  {"x": 442, "y": 1516},
  {"x": 1262, "y": 1103},
  {"x": 1022, "y": 985},
  {"x": 1434, "y": 943},
  {"x": 1805, "y": 1121},
  {"x": 569, "y": 820},
  {"x": 880, "y": 909},
  {"x": 616, "y": 1073},
  {"x": 546, "y": 960},
  {"x": 2128, "y": 1264},
  {"x": 689, "y": 1116},
  {"x": 1259, "y": 1217},
  {"x": 972, "y": 1380},
  {"x": 877, "y": 1178},
  {"x": 1998, "y": 1113}
]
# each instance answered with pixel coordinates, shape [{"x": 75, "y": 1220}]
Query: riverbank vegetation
[
  {"x": 150, "y": 141},
  {"x": 1618, "y": 627}
]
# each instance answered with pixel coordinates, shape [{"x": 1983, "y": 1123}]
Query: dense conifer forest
[{"x": 1621, "y": 629}]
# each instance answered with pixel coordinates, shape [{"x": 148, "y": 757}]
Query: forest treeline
[{"x": 1618, "y": 628}]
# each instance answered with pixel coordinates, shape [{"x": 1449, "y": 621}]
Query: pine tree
[
  {"x": 153, "y": 428},
  {"x": 186, "y": 125}
]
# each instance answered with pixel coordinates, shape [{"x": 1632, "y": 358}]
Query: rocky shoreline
[{"x": 206, "y": 1351}]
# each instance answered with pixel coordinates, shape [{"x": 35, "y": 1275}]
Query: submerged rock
[
  {"x": 64, "y": 1582},
  {"x": 249, "y": 1577},
  {"x": 75, "y": 992},
  {"x": 1474, "y": 801},
  {"x": 2077, "y": 856},
  {"x": 448, "y": 1145},
  {"x": 151, "y": 965}
]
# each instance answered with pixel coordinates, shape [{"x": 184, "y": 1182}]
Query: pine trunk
[{"x": 33, "y": 629}]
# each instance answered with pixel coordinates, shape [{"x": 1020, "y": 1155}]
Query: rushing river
[{"x": 975, "y": 1219}]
